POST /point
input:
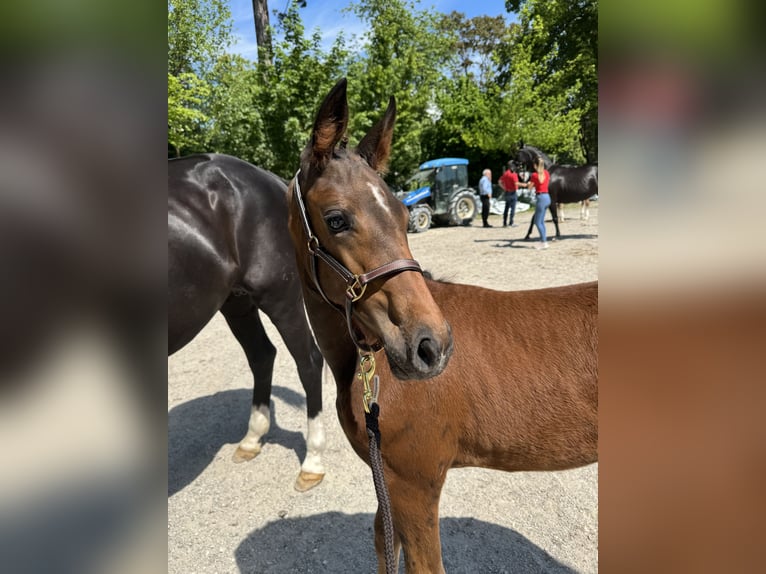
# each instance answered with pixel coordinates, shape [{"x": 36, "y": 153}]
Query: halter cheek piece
[{"x": 356, "y": 285}]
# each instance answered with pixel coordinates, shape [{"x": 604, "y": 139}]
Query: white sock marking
[
  {"x": 316, "y": 441},
  {"x": 256, "y": 428}
]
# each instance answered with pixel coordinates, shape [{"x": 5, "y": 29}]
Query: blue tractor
[{"x": 438, "y": 192}]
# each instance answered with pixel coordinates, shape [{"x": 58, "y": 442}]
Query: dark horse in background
[
  {"x": 229, "y": 250},
  {"x": 569, "y": 184}
]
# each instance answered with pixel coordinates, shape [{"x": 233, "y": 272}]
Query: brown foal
[{"x": 445, "y": 401}]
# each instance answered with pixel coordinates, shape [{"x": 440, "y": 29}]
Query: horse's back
[
  {"x": 538, "y": 321},
  {"x": 223, "y": 204},
  {"x": 543, "y": 387},
  {"x": 227, "y": 229},
  {"x": 222, "y": 182},
  {"x": 571, "y": 184}
]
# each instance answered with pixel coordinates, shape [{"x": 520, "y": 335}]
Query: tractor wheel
[
  {"x": 420, "y": 219},
  {"x": 462, "y": 208}
]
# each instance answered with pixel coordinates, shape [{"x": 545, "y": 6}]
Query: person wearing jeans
[
  {"x": 509, "y": 182},
  {"x": 539, "y": 180}
]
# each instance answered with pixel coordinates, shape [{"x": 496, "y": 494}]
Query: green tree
[
  {"x": 292, "y": 88},
  {"x": 186, "y": 121},
  {"x": 464, "y": 87},
  {"x": 198, "y": 33},
  {"x": 402, "y": 56},
  {"x": 474, "y": 42},
  {"x": 259, "y": 112},
  {"x": 237, "y": 126},
  {"x": 562, "y": 37}
]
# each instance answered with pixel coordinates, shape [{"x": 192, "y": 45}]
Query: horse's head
[
  {"x": 527, "y": 157},
  {"x": 358, "y": 222}
]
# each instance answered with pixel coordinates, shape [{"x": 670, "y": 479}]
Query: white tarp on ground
[{"x": 497, "y": 206}]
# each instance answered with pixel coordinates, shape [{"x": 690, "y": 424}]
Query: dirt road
[{"x": 227, "y": 518}]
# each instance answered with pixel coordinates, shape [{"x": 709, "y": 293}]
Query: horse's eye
[{"x": 336, "y": 222}]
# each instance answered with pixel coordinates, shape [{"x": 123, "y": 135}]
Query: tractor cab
[{"x": 439, "y": 192}]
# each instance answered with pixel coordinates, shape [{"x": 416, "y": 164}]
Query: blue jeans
[
  {"x": 510, "y": 205},
  {"x": 543, "y": 203}
]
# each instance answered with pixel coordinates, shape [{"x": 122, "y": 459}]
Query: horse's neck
[
  {"x": 332, "y": 337},
  {"x": 546, "y": 160}
]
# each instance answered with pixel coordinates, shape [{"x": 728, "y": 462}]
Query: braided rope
[{"x": 381, "y": 491}]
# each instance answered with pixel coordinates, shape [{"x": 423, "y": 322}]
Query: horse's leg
[
  {"x": 560, "y": 209},
  {"x": 555, "y": 216},
  {"x": 380, "y": 545},
  {"x": 584, "y": 209},
  {"x": 531, "y": 225},
  {"x": 244, "y": 322},
  {"x": 290, "y": 320},
  {"x": 415, "y": 511}
]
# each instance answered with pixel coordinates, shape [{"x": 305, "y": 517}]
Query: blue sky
[{"x": 328, "y": 17}]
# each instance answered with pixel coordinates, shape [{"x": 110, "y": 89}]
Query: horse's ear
[
  {"x": 375, "y": 147},
  {"x": 330, "y": 124}
]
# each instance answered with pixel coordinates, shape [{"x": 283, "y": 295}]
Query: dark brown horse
[
  {"x": 569, "y": 183},
  {"x": 446, "y": 400},
  {"x": 229, "y": 251}
]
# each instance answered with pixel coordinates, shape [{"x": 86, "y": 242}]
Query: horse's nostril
[{"x": 428, "y": 352}]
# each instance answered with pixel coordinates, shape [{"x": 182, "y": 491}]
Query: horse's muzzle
[{"x": 423, "y": 356}]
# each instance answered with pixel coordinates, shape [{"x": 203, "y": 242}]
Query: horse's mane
[
  {"x": 429, "y": 276},
  {"x": 533, "y": 152}
]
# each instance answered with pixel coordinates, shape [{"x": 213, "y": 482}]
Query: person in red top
[
  {"x": 510, "y": 182},
  {"x": 539, "y": 180}
]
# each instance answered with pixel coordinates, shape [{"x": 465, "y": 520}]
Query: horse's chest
[{"x": 351, "y": 417}]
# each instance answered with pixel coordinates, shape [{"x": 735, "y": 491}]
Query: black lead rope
[
  {"x": 381, "y": 490},
  {"x": 371, "y": 414}
]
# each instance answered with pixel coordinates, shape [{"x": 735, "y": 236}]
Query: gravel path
[{"x": 227, "y": 518}]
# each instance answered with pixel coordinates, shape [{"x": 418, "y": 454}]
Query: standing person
[
  {"x": 539, "y": 180},
  {"x": 485, "y": 193},
  {"x": 510, "y": 183}
]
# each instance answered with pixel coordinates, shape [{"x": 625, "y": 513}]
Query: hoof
[
  {"x": 242, "y": 455},
  {"x": 307, "y": 481}
]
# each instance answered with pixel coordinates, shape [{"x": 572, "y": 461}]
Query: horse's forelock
[{"x": 312, "y": 167}]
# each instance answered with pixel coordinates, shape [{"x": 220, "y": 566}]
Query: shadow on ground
[
  {"x": 533, "y": 241},
  {"x": 343, "y": 543},
  {"x": 340, "y": 543},
  {"x": 197, "y": 430}
]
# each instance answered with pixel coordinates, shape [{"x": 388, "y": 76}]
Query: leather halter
[{"x": 356, "y": 285}]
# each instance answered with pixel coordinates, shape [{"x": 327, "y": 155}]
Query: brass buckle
[
  {"x": 351, "y": 292},
  {"x": 366, "y": 372},
  {"x": 313, "y": 244}
]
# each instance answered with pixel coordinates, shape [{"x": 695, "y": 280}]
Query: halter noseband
[{"x": 356, "y": 285}]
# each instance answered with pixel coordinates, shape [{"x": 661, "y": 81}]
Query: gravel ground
[{"x": 225, "y": 517}]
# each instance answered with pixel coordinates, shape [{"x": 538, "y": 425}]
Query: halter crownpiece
[{"x": 356, "y": 285}]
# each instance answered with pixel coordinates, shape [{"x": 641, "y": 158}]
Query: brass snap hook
[{"x": 366, "y": 372}]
